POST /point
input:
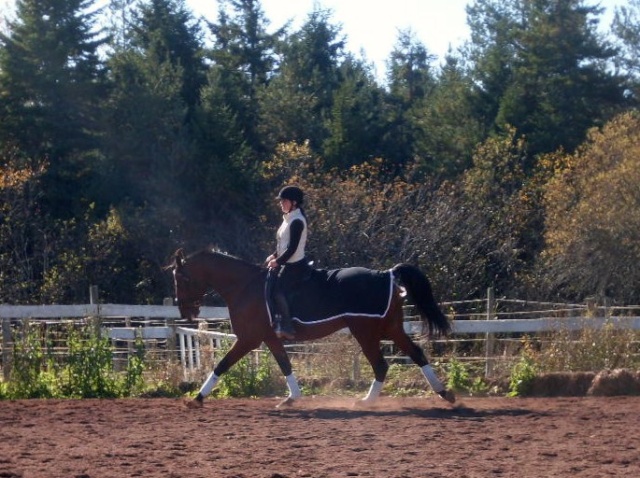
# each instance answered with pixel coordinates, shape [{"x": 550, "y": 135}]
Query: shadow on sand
[{"x": 459, "y": 412}]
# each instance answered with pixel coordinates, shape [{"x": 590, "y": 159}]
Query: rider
[{"x": 287, "y": 265}]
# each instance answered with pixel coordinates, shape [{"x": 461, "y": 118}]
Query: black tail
[{"x": 420, "y": 294}]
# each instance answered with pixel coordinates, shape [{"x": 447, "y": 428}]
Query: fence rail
[{"x": 162, "y": 322}]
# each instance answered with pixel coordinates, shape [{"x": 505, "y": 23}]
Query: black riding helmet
[{"x": 292, "y": 193}]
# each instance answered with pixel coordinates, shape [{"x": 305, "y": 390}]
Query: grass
[{"x": 332, "y": 366}]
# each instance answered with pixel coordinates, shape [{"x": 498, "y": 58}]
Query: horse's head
[{"x": 189, "y": 291}]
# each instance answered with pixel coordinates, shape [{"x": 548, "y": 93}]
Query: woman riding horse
[
  {"x": 287, "y": 265},
  {"x": 241, "y": 285}
]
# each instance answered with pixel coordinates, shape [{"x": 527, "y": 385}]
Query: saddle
[{"x": 331, "y": 294}]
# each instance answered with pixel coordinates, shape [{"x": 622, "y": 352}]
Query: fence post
[
  {"x": 7, "y": 348},
  {"x": 356, "y": 367},
  {"x": 489, "y": 338},
  {"x": 93, "y": 294},
  {"x": 171, "y": 337},
  {"x": 95, "y": 320}
]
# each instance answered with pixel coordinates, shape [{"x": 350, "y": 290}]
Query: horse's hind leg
[{"x": 415, "y": 353}]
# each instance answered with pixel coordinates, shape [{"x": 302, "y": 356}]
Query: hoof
[
  {"x": 363, "y": 403},
  {"x": 448, "y": 395},
  {"x": 287, "y": 402},
  {"x": 194, "y": 404}
]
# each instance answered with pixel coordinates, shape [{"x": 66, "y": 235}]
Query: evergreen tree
[
  {"x": 356, "y": 123},
  {"x": 626, "y": 27},
  {"x": 156, "y": 79},
  {"x": 245, "y": 55},
  {"x": 167, "y": 31},
  {"x": 51, "y": 78},
  {"x": 448, "y": 130},
  {"x": 410, "y": 82},
  {"x": 298, "y": 101},
  {"x": 543, "y": 69},
  {"x": 51, "y": 84}
]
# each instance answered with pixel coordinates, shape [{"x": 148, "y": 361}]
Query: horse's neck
[{"x": 228, "y": 274}]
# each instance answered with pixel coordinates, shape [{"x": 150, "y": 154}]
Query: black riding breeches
[{"x": 282, "y": 280}]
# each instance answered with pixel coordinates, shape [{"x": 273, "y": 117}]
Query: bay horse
[{"x": 242, "y": 284}]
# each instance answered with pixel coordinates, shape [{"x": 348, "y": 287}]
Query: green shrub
[
  {"x": 29, "y": 375},
  {"x": 133, "y": 381},
  {"x": 463, "y": 377},
  {"x": 89, "y": 366},
  {"x": 251, "y": 376},
  {"x": 86, "y": 371},
  {"x": 523, "y": 372},
  {"x": 457, "y": 376}
]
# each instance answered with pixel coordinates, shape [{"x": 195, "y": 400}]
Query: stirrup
[{"x": 282, "y": 333}]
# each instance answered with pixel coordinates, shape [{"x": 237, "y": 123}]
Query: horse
[{"x": 242, "y": 286}]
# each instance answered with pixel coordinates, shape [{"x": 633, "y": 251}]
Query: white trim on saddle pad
[{"x": 392, "y": 283}]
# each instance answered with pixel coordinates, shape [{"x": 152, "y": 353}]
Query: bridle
[
  {"x": 181, "y": 275},
  {"x": 190, "y": 286}
]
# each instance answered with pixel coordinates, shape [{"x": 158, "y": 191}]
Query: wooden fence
[{"x": 484, "y": 319}]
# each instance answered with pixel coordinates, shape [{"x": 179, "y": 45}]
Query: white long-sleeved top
[{"x": 284, "y": 236}]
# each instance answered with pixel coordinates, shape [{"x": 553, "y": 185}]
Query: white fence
[{"x": 479, "y": 317}]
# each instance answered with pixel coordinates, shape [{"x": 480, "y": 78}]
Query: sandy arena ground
[{"x": 321, "y": 437}]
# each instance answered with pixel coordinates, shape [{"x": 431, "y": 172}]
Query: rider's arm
[{"x": 295, "y": 234}]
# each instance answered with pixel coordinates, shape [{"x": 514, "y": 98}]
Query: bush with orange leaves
[
  {"x": 369, "y": 216},
  {"x": 593, "y": 215}
]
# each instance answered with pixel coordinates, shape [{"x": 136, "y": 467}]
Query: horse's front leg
[
  {"x": 282, "y": 359},
  {"x": 239, "y": 349}
]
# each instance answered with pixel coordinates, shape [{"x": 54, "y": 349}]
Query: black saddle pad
[{"x": 329, "y": 294}]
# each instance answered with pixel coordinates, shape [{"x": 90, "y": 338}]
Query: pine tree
[
  {"x": 51, "y": 86},
  {"x": 51, "y": 78},
  {"x": 244, "y": 54},
  {"x": 297, "y": 102},
  {"x": 542, "y": 67}
]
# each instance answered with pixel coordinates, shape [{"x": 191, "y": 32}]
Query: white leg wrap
[
  {"x": 430, "y": 375},
  {"x": 374, "y": 391},
  {"x": 208, "y": 385},
  {"x": 292, "y": 384}
]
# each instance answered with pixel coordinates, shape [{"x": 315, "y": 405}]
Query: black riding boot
[{"x": 283, "y": 324}]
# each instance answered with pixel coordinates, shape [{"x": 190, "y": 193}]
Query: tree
[
  {"x": 51, "y": 83},
  {"x": 25, "y": 237},
  {"x": 157, "y": 77},
  {"x": 298, "y": 101},
  {"x": 542, "y": 67},
  {"x": 167, "y": 32},
  {"x": 593, "y": 215},
  {"x": 147, "y": 140},
  {"x": 245, "y": 55},
  {"x": 497, "y": 186},
  {"x": 410, "y": 82},
  {"x": 50, "y": 77},
  {"x": 490, "y": 54},
  {"x": 152, "y": 124},
  {"x": 356, "y": 123},
  {"x": 447, "y": 129},
  {"x": 626, "y": 27}
]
